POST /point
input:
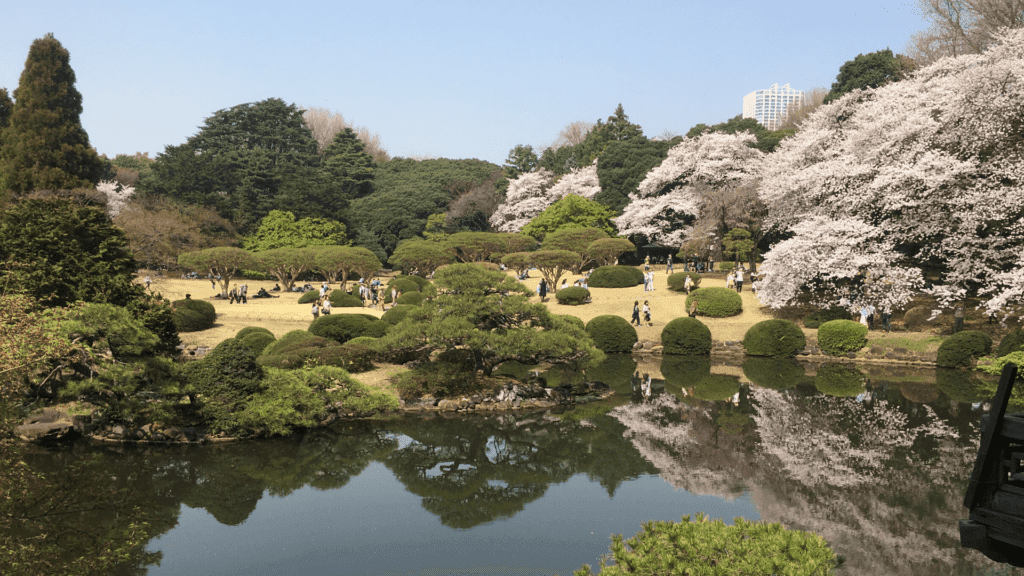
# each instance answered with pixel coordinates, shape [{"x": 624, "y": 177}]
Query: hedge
[
  {"x": 188, "y": 322},
  {"x": 310, "y": 296},
  {"x": 839, "y": 380},
  {"x": 687, "y": 336},
  {"x": 573, "y": 296},
  {"x": 343, "y": 327},
  {"x": 410, "y": 298},
  {"x": 774, "y": 373},
  {"x": 716, "y": 302},
  {"x": 677, "y": 281},
  {"x": 257, "y": 341},
  {"x": 615, "y": 277},
  {"x": 403, "y": 284},
  {"x": 1012, "y": 342},
  {"x": 250, "y": 330},
  {"x": 342, "y": 299},
  {"x": 837, "y": 337},
  {"x": 289, "y": 340},
  {"x": 818, "y": 318},
  {"x": 774, "y": 338},
  {"x": 960, "y": 349},
  {"x": 612, "y": 333},
  {"x": 396, "y": 314}
]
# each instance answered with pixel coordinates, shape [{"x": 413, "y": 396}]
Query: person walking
[
  {"x": 688, "y": 284},
  {"x": 647, "y": 313},
  {"x": 636, "y": 313},
  {"x": 316, "y": 311},
  {"x": 148, "y": 280},
  {"x": 958, "y": 318},
  {"x": 232, "y": 295},
  {"x": 326, "y": 307},
  {"x": 243, "y": 292},
  {"x": 730, "y": 280},
  {"x": 739, "y": 279},
  {"x": 542, "y": 289},
  {"x": 668, "y": 265}
]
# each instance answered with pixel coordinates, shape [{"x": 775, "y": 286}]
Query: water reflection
[{"x": 875, "y": 460}]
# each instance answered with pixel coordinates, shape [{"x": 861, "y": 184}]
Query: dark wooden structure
[{"x": 995, "y": 495}]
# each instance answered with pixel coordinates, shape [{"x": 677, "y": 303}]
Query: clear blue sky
[{"x": 447, "y": 79}]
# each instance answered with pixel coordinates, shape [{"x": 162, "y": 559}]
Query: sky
[{"x": 442, "y": 79}]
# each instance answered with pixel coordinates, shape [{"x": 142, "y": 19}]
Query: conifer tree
[
  {"x": 6, "y": 107},
  {"x": 44, "y": 145}
]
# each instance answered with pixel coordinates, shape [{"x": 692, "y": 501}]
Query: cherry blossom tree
[
  {"x": 582, "y": 182},
  {"x": 117, "y": 195},
  {"x": 527, "y": 196},
  {"x": 916, "y": 178},
  {"x": 670, "y": 199}
]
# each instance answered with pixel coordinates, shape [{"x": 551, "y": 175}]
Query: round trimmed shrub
[
  {"x": 774, "y": 373},
  {"x": 343, "y": 327},
  {"x": 572, "y": 296},
  {"x": 916, "y": 317},
  {"x": 818, "y": 318},
  {"x": 310, "y": 296},
  {"x": 223, "y": 380},
  {"x": 685, "y": 371},
  {"x": 257, "y": 341},
  {"x": 288, "y": 341},
  {"x": 573, "y": 320},
  {"x": 396, "y": 314},
  {"x": 677, "y": 281},
  {"x": 364, "y": 340},
  {"x": 774, "y": 338},
  {"x": 615, "y": 277},
  {"x": 612, "y": 333},
  {"x": 1012, "y": 342},
  {"x": 961, "y": 349},
  {"x": 717, "y": 387},
  {"x": 419, "y": 280},
  {"x": 686, "y": 336},
  {"x": 251, "y": 330},
  {"x": 341, "y": 299},
  {"x": 839, "y": 380},
  {"x": 837, "y": 337},
  {"x": 187, "y": 320},
  {"x": 403, "y": 284},
  {"x": 716, "y": 302},
  {"x": 411, "y": 298}
]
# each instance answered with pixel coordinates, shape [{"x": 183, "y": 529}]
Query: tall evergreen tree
[
  {"x": 6, "y": 107},
  {"x": 44, "y": 146},
  {"x": 349, "y": 165}
]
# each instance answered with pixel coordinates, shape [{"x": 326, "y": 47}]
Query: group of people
[
  {"x": 238, "y": 294},
  {"x": 637, "y": 311},
  {"x": 735, "y": 278}
]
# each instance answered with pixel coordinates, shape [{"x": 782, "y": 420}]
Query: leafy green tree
[
  {"x": 285, "y": 264},
  {"x": 738, "y": 243},
  {"x": 514, "y": 242},
  {"x": 571, "y": 212},
  {"x": 767, "y": 140},
  {"x": 222, "y": 261},
  {"x": 245, "y": 161},
  {"x": 349, "y": 165},
  {"x": 59, "y": 252},
  {"x": 521, "y": 159},
  {"x": 624, "y": 164},
  {"x": 475, "y": 246},
  {"x": 607, "y": 250},
  {"x": 576, "y": 240},
  {"x": 280, "y": 229},
  {"x": 552, "y": 264},
  {"x": 489, "y": 314},
  {"x": 424, "y": 256},
  {"x": 868, "y": 71},
  {"x": 6, "y": 108},
  {"x": 44, "y": 145},
  {"x": 335, "y": 261}
]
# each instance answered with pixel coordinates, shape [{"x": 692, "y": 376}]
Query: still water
[{"x": 874, "y": 460}]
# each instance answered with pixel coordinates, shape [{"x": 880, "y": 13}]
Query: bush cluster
[
  {"x": 687, "y": 336},
  {"x": 257, "y": 341},
  {"x": 310, "y": 296},
  {"x": 396, "y": 314},
  {"x": 612, "y": 333},
  {"x": 222, "y": 381},
  {"x": 615, "y": 277},
  {"x": 1012, "y": 342},
  {"x": 774, "y": 338},
  {"x": 774, "y": 373},
  {"x": 711, "y": 547},
  {"x": 677, "y": 281},
  {"x": 411, "y": 298},
  {"x": 191, "y": 315},
  {"x": 961, "y": 349},
  {"x": 839, "y": 380},
  {"x": 441, "y": 379},
  {"x": 404, "y": 284},
  {"x": 716, "y": 302},
  {"x": 837, "y": 337},
  {"x": 573, "y": 296},
  {"x": 818, "y": 318},
  {"x": 343, "y": 327},
  {"x": 342, "y": 299},
  {"x": 252, "y": 330}
]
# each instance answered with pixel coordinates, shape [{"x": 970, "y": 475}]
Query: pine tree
[
  {"x": 349, "y": 165},
  {"x": 6, "y": 107},
  {"x": 44, "y": 146}
]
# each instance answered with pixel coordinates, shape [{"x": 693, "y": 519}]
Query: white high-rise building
[{"x": 769, "y": 106}]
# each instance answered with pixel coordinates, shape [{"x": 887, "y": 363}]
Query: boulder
[{"x": 47, "y": 425}]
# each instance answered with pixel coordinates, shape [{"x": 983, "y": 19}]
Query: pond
[{"x": 876, "y": 460}]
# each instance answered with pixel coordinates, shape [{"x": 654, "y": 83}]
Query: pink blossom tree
[
  {"x": 531, "y": 193},
  {"x": 922, "y": 176},
  {"x": 676, "y": 193}
]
